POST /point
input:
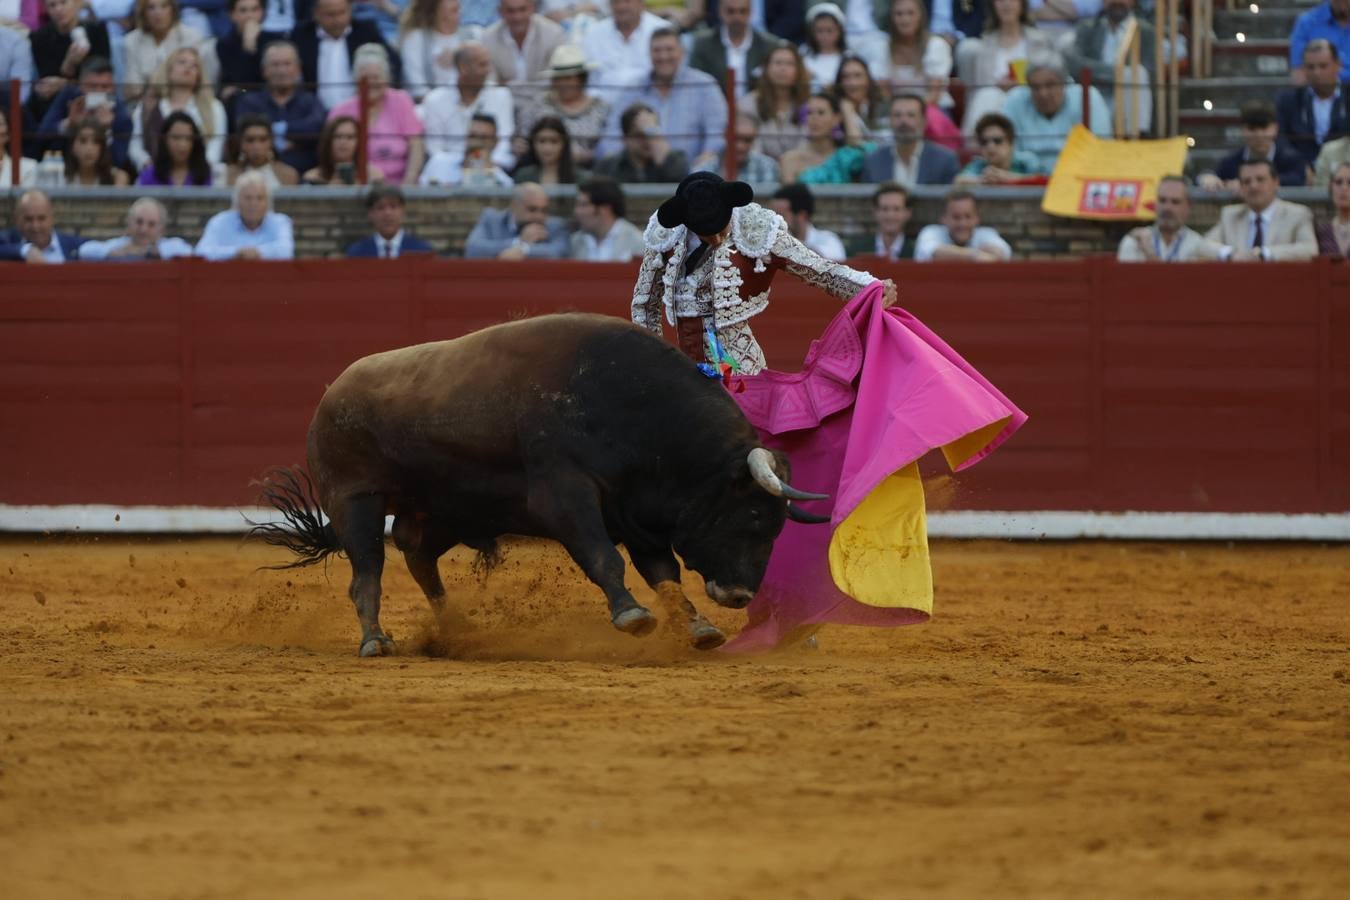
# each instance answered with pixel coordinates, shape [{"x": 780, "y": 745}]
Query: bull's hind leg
[
  {"x": 423, "y": 543},
  {"x": 360, "y": 522},
  {"x": 660, "y": 570}
]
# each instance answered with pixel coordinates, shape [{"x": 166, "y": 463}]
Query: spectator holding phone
[
  {"x": 337, "y": 155},
  {"x": 94, "y": 96}
]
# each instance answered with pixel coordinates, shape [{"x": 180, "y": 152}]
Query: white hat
[
  {"x": 567, "y": 59},
  {"x": 826, "y": 9}
]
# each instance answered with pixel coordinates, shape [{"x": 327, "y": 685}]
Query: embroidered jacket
[{"x": 731, "y": 284}]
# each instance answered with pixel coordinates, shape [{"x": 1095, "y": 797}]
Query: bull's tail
[{"x": 304, "y": 531}]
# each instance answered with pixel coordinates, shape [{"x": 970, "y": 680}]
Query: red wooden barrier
[{"x": 1187, "y": 388}]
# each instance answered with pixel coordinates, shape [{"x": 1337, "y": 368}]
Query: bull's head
[{"x": 727, "y": 532}]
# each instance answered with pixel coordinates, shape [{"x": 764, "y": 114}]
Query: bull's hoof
[
  {"x": 706, "y": 636},
  {"x": 379, "y": 646},
  {"x": 636, "y": 621}
]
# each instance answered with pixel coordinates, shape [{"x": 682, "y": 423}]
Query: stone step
[
  {"x": 1271, "y": 23},
  {"x": 1248, "y": 58},
  {"x": 1229, "y": 92},
  {"x": 1211, "y": 129}
]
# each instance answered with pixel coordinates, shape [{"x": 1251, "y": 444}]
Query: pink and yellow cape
[{"x": 876, "y": 392}]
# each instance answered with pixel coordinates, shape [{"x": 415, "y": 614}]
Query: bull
[{"x": 580, "y": 428}]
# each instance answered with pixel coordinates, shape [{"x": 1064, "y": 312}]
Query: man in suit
[
  {"x": 385, "y": 207},
  {"x": 94, "y": 95},
  {"x": 735, "y": 44},
  {"x": 523, "y": 231},
  {"x": 521, "y": 43},
  {"x": 34, "y": 238},
  {"x": 296, "y": 115},
  {"x": 1261, "y": 140},
  {"x": 910, "y": 161},
  {"x": 1263, "y": 227},
  {"x": 891, "y": 213},
  {"x": 784, "y": 19},
  {"x": 1317, "y": 112},
  {"x": 1095, "y": 44},
  {"x": 327, "y": 44}
]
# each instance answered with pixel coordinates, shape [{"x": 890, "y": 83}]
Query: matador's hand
[{"x": 890, "y": 298}]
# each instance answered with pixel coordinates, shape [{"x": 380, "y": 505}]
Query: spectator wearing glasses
[
  {"x": 474, "y": 168},
  {"x": 1044, "y": 110},
  {"x": 999, "y": 162}
]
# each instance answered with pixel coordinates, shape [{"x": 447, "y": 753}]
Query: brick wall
[{"x": 328, "y": 219}]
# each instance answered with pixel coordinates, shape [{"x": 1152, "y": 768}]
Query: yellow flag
[{"x": 1097, "y": 178}]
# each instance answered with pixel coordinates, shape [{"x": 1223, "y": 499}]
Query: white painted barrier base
[{"x": 1004, "y": 525}]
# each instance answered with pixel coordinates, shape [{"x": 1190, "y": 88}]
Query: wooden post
[
  {"x": 1160, "y": 66},
  {"x": 1129, "y": 48},
  {"x": 15, "y": 130},
  {"x": 1174, "y": 69},
  {"x": 730, "y": 163},
  {"x": 1085, "y": 80},
  {"x": 363, "y": 130}
]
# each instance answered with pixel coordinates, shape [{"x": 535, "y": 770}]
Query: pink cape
[{"x": 876, "y": 391}]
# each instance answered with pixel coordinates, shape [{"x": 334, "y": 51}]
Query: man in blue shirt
[
  {"x": 1044, "y": 109},
  {"x": 296, "y": 115},
  {"x": 1330, "y": 21},
  {"x": 249, "y": 230},
  {"x": 524, "y": 231}
]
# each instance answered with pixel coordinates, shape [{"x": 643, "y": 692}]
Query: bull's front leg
[{"x": 660, "y": 570}]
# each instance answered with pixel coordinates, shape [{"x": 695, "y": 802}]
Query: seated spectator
[
  {"x": 384, "y": 15},
  {"x": 620, "y": 45},
  {"x": 1262, "y": 226},
  {"x": 833, "y": 151},
  {"x": 1094, "y": 48},
  {"x": 239, "y": 51},
  {"x": 521, "y": 42},
  {"x": 646, "y": 154},
  {"x": 953, "y": 21},
  {"x": 144, "y": 237},
  {"x": 178, "y": 86},
  {"x": 446, "y": 111},
  {"x": 523, "y": 231},
  {"x": 296, "y": 115},
  {"x": 180, "y": 156},
  {"x": 430, "y": 33},
  {"x": 911, "y": 160},
  {"x": 603, "y": 234},
  {"x": 549, "y": 159},
  {"x": 1042, "y": 111},
  {"x": 784, "y": 20},
  {"x": 394, "y": 143},
  {"x": 751, "y": 165},
  {"x": 256, "y": 154},
  {"x": 999, "y": 162},
  {"x": 333, "y": 39},
  {"x": 1058, "y": 17},
  {"x": 1309, "y": 116},
  {"x": 94, "y": 95},
  {"x": 1329, "y": 158},
  {"x": 778, "y": 99},
  {"x": 996, "y": 62},
  {"x": 691, "y": 107},
  {"x": 916, "y": 61},
  {"x": 734, "y": 45},
  {"x": 825, "y": 45},
  {"x": 59, "y": 47},
  {"x": 89, "y": 159},
  {"x": 385, "y": 208},
  {"x": 891, "y": 213},
  {"x": 796, "y": 204},
  {"x": 864, "y": 97},
  {"x": 250, "y": 229},
  {"x": 27, "y": 167},
  {"x": 338, "y": 143},
  {"x": 16, "y": 61},
  {"x": 1261, "y": 140},
  {"x": 1168, "y": 239},
  {"x": 960, "y": 237},
  {"x": 1329, "y": 21},
  {"x": 475, "y": 168},
  {"x": 1333, "y": 238},
  {"x": 34, "y": 238},
  {"x": 159, "y": 31},
  {"x": 584, "y": 114}
]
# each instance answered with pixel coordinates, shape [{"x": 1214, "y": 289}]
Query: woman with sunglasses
[{"x": 999, "y": 161}]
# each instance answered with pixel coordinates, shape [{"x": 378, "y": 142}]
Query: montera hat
[{"x": 703, "y": 203}]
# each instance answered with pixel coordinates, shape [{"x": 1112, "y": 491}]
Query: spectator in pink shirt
[{"x": 394, "y": 140}]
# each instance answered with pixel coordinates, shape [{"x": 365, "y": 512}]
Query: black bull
[{"x": 580, "y": 428}]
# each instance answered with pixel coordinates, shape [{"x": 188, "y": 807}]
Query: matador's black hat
[{"x": 703, "y": 203}]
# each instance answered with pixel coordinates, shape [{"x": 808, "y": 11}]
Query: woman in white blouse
[
  {"x": 917, "y": 61},
  {"x": 178, "y": 85},
  {"x": 429, "y": 33},
  {"x": 160, "y": 31},
  {"x": 995, "y": 62}
]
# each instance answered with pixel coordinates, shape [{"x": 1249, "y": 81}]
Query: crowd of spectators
[{"x": 263, "y": 94}]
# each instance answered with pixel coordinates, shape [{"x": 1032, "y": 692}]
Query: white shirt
[
  {"x": 52, "y": 253},
  {"x": 167, "y": 248},
  {"x": 1322, "y": 114},
  {"x": 935, "y": 236},
  {"x": 620, "y": 60},
  {"x": 217, "y": 128},
  {"x": 335, "y": 68},
  {"x": 893, "y": 249},
  {"x": 388, "y": 248},
  {"x": 1111, "y": 43},
  {"x": 448, "y": 169},
  {"x": 736, "y": 57},
  {"x": 278, "y": 15},
  {"x": 908, "y": 173},
  {"x": 446, "y": 117},
  {"x": 826, "y": 243}
]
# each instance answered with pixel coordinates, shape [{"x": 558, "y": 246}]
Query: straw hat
[{"x": 567, "y": 59}]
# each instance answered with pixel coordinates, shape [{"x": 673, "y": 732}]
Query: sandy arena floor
[{"x": 1079, "y": 721}]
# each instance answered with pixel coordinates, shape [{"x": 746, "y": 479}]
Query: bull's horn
[
  {"x": 761, "y": 467},
  {"x": 797, "y": 514}
]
